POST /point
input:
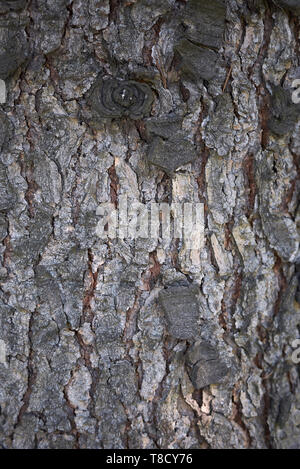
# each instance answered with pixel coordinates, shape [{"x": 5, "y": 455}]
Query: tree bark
[{"x": 145, "y": 343}]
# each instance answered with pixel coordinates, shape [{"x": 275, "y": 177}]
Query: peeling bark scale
[{"x": 145, "y": 342}]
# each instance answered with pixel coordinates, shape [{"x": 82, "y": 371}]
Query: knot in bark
[{"x": 116, "y": 98}]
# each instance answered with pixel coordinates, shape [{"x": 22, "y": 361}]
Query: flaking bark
[{"x": 88, "y": 356}]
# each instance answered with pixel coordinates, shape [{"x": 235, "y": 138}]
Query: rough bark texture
[{"x": 89, "y": 353}]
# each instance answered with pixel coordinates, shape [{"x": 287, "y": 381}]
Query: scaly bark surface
[{"x": 94, "y": 350}]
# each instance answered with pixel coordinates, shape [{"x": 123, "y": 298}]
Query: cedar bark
[{"x": 87, "y": 357}]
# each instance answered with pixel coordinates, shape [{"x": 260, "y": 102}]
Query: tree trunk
[{"x": 149, "y": 342}]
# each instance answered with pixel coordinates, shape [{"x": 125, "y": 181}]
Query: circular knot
[{"x": 116, "y": 98}]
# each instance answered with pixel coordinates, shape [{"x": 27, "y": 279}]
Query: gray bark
[{"x": 144, "y": 343}]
